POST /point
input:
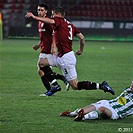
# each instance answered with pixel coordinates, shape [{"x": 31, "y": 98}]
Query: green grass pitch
[{"x": 23, "y": 111}]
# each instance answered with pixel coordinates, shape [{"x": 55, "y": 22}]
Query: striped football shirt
[{"x": 123, "y": 104}]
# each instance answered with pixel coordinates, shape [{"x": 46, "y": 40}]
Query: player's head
[
  {"x": 104, "y": 113},
  {"x": 42, "y": 10},
  {"x": 58, "y": 11},
  {"x": 131, "y": 86}
]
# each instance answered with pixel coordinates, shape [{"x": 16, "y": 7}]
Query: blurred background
[{"x": 97, "y": 19}]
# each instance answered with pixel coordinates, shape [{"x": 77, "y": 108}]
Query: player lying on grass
[{"x": 117, "y": 108}]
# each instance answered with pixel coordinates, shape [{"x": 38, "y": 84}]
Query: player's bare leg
[{"x": 89, "y": 108}]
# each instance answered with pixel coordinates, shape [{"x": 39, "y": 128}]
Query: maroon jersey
[
  {"x": 45, "y": 34},
  {"x": 64, "y": 33}
]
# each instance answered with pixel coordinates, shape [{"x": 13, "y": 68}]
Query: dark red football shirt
[
  {"x": 64, "y": 33},
  {"x": 45, "y": 34}
]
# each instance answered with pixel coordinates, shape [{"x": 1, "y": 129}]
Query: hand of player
[
  {"x": 78, "y": 52},
  {"x": 36, "y": 47},
  {"x": 29, "y": 14}
]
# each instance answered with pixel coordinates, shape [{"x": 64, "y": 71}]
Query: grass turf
[{"x": 23, "y": 111}]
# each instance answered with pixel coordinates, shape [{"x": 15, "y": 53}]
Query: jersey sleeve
[
  {"x": 57, "y": 21},
  {"x": 76, "y": 31}
]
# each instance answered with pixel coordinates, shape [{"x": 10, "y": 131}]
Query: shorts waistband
[
  {"x": 45, "y": 52},
  {"x": 60, "y": 55}
]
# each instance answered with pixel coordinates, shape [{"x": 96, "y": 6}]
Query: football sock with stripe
[
  {"x": 46, "y": 83},
  {"x": 87, "y": 85},
  {"x": 52, "y": 76},
  {"x": 59, "y": 76},
  {"x": 48, "y": 73},
  {"x": 92, "y": 115}
]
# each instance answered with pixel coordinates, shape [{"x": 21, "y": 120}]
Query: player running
[
  {"x": 66, "y": 60},
  {"x": 46, "y": 39}
]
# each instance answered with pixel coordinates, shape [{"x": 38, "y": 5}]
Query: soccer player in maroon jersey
[
  {"x": 46, "y": 37},
  {"x": 66, "y": 60}
]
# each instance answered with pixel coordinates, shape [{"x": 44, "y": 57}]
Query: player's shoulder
[
  {"x": 57, "y": 18},
  {"x": 127, "y": 89}
]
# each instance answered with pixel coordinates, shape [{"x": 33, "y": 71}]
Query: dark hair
[
  {"x": 44, "y": 5},
  {"x": 60, "y": 10},
  {"x": 105, "y": 115}
]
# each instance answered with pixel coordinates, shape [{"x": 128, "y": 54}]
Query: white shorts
[
  {"x": 43, "y": 56},
  {"x": 105, "y": 103},
  {"x": 66, "y": 63}
]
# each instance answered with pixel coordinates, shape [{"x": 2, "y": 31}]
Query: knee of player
[
  {"x": 39, "y": 63},
  {"x": 40, "y": 72},
  {"x": 73, "y": 84},
  {"x": 43, "y": 63},
  {"x": 74, "y": 87}
]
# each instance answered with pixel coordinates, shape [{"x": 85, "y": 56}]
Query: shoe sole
[
  {"x": 45, "y": 95},
  {"x": 42, "y": 95}
]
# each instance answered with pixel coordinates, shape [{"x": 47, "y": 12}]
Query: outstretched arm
[{"x": 46, "y": 20}]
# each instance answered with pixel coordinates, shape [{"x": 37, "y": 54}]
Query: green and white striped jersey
[{"x": 123, "y": 104}]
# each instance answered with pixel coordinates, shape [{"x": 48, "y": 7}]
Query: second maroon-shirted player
[{"x": 46, "y": 39}]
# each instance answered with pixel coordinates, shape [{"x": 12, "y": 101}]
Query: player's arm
[
  {"x": 36, "y": 47},
  {"x": 45, "y": 20},
  {"x": 82, "y": 42},
  {"x": 53, "y": 46}
]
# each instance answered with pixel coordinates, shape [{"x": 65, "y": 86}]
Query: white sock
[
  {"x": 74, "y": 113},
  {"x": 97, "y": 85},
  {"x": 91, "y": 115},
  {"x": 53, "y": 81}
]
